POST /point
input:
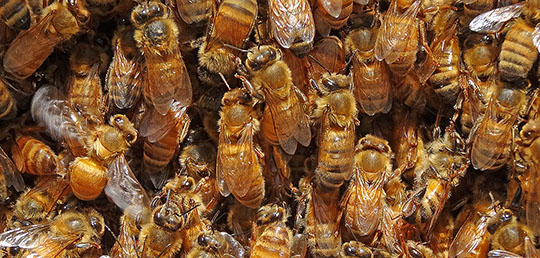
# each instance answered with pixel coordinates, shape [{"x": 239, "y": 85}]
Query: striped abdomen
[
  {"x": 39, "y": 159},
  {"x": 403, "y": 55},
  {"x": 445, "y": 78},
  {"x": 8, "y": 108},
  {"x": 275, "y": 241},
  {"x": 195, "y": 10},
  {"x": 324, "y": 239},
  {"x": 15, "y": 14},
  {"x": 234, "y": 21},
  {"x": 372, "y": 86},
  {"x": 157, "y": 155},
  {"x": 336, "y": 155},
  {"x": 86, "y": 97},
  {"x": 518, "y": 52},
  {"x": 335, "y": 21}
]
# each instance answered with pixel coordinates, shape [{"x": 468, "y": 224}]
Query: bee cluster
[{"x": 279, "y": 128}]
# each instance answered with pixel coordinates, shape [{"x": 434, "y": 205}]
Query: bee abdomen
[
  {"x": 335, "y": 159},
  {"x": 15, "y": 13},
  {"x": 8, "y": 109},
  {"x": 240, "y": 15},
  {"x": 336, "y": 23},
  {"x": 39, "y": 158},
  {"x": 274, "y": 242},
  {"x": 518, "y": 52}
]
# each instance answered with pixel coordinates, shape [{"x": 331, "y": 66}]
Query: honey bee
[
  {"x": 399, "y": 36},
  {"x": 193, "y": 12},
  {"x": 472, "y": 239},
  {"x": 217, "y": 245},
  {"x": 16, "y": 14},
  {"x": 415, "y": 249},
  {"x": 162, "y": 135},
  {"x": 31, "y": 47},
  {"x": 70, "y": 234},
  {"x": 473, "y": 8},
  {"x": 9, "y": 176},
  {"x": 337, "y": 112},
  {"x": 231, "y": 25},
  {"x": 292, "y": 25},
  {"x": 34, "y": 157},
  {"x": 8, "y": 106},
  {"x": 331, "y": 14},
  {"x": 272, "y": 237},
  {"x": 239, "y": 157},
  {"x": 240, "y": 221},
  {"x": 491, "y": 137},
  {"x": 166, "y": 76},
  {"x": 521, "y": 33},
  {"x": 363, "y": 202},
  {"x": 330, "y": 52},
  {"x": 125, "y": 77},
  {"x": 413, "y": 93},
  {"x": 37, "y": 204},
  {"x": 480, "y": 54},
  {"x": 321, "y": 220},
  {"x": 511, "y": 237},
  {"x": 268, "y": 78},
  {"x": 355, "y": 249},
  {"x": 370, "y": 76}
]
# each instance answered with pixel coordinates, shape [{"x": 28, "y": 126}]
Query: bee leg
[{"x": 423, "y": 41}]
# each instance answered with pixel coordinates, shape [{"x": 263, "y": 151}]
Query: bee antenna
[
  {"x": 190, "y": 209},
  {"x": 225, "y": 81},
  {"x": 115, "y": 238},
  {"x": 163, "y": 251},
  {"x": 352, "y": 233},
  {"x": 319, "y": 63},
  {"x": 168, "y": 195},
  {"x": 135, "y": 246},
  {"x": 236, "y": 48},
  {"x": 349, "y": 62}
]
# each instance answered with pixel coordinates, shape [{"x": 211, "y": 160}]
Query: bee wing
[
  {"x": 53, "y": 186},
  {"x": 122, "y": 187},
  {"x": 533, "y": 201},
  {"x": 47, "y": 110},
  {"x": 530, "y": 248},
  {"x": 243, "y": 169},
  {"x": 185, "y": 11},
  {"x": 438, "y": 50},
  {"x": 53, "y": 246},
  {"x": 502, "y": 253},
  {"x": 223, "y": 142},
  {"x": 288, "y": 18},
  {"x": 367, "y": 208},
  {"x": 235, "y": 249},
  {"x": 333, "y": 7},
  {"x": 154, "y": 126},
  {"x": 124, "y": 79},
  {"x": 289, "y": 123},
  {"x": 92, "y": 90},
  {"x": 388, "y": 37},
  {"x": 329, "y": 51},
  {"x": 162, "y": 88},
  {"x": 325, "y": 213},
  {"x": 365, "y": 84},
  {"x": 494, "y": 20},
  {"x": 24, "y": 237},
  {"x": 469, "y": 236},
  {"x": 470, "y": 93},
  {"x": 8, "y": 169},
  {"x": 536, "y": 36}
]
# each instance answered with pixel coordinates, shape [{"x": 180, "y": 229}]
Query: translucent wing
[
  {"x": 469, "y": 236},
  {"x": 371, "y": 86},
  {"x": 291, "y": 21},
  {"x": 167, "y": 79},
  {"x": 366, "y": 205},
  {"x": 53, "y": 186},
  {"x": 184, "y": 9},
  {"x": 47, "y": 110},
  {"x": 289, "y": 122},
  {"x": 123, "y": 189},
  {"x": 53, "y": 246},
  {"x": 86, "y": 95},
  {"x": 494, "y": 20},
  {"x": 395, "y": 28},
  {"x": 329, "y": 51},
  {"x": 154, "y": 126},
  {"x": 536, "y": 36},
  {"x": 471, "y": 96},
  {"x": 25, "y": 237},
  {"x": 125, "y": 79},
  {"x": 502, "y": 253},
  {"x": 235, "y": 249},
  {"x": 533, "y": 198},
  {"x": 224, "y": 142},
  {"x": 243, "y": 168},
  {"x": 333, "y": 7},
  {"x": 8, "y": 169},
  {"x": 441, "y": 47},
  {"x": 326, "y": 217}
]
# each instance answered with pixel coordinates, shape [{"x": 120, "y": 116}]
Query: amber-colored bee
[
  {"x": 510, "y": 236},
  {"x": 217, "y": 245},
  {"x": 16, "y": 14},
  {"x": 413, "y": 93},
  {"x": 240, "y": 221},
  {"x": 473, "y": 8},
  {"x": 370, "y": 76},
  {"x": 292, "y": 25},
  {"x": 514, "y": 62},
  {"x": 125, "y": 77},
  {"x": 330, "y": 52},
  {"x": 30, "y": 48},
  {"x": 167, "y": 78},
  {"x": 193, "y": 12},
  {"x": 231, "y": 25},
  {"x": 70, "y": 234},
  {"x": 472, "y": 239},
  {"x": 269, "y": 78},
  {"x": 272, "y": 237},
  {"x": 355, "y": 249},
  {"x": 337, "y": 112},
  {"x": 8, "y": 106},
  {"x": 321, "y": 219},
  {"x": 364, "y": 200},
  {"x": 162, "y": 135},
  {"x": 330, "y": 14},
  {"x": 492, "y": 135},
  {"x": 480, "y": 55},
  {"x": 37, "y": 204},
  {"x": 239, "y": 168},
  {"x": 34, "y": 157}
]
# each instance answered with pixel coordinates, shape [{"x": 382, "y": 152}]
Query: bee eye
[
  {"x": 187, "y": 184},
  {"x": 255, "y": 66},
  {"x": 227, "y": 102},
  {"x": 246, "y": 97},
  {"x": 487, "y": 39},
  {"x": 130, "y": 137}
]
